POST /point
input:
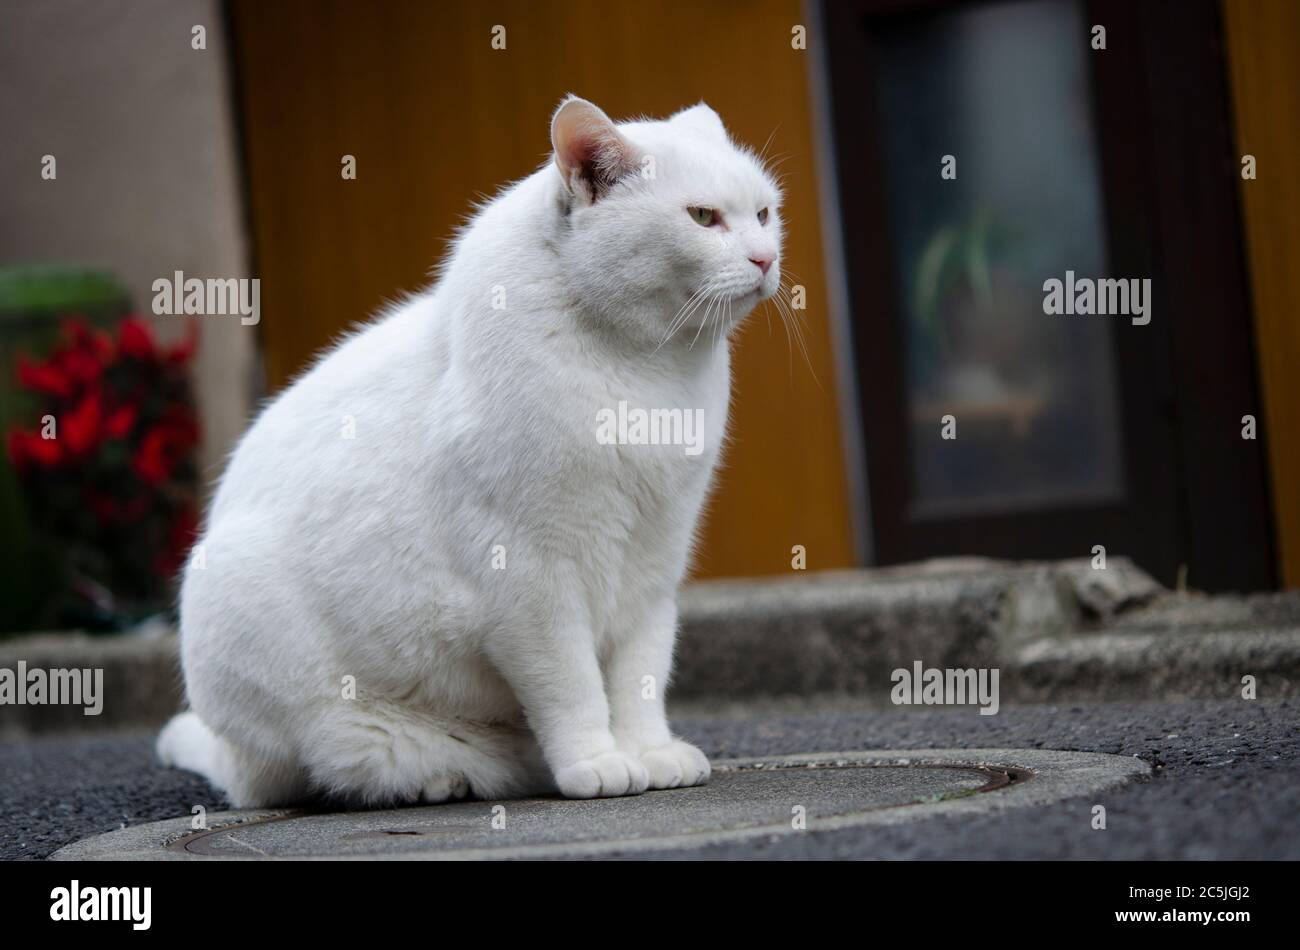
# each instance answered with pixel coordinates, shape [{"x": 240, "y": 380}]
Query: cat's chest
[{"x": 659, "y": 430}]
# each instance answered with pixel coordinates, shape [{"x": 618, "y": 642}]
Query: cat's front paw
[
  {"x": 676, "y": 765},
  {"x": 603, "y": 776}
]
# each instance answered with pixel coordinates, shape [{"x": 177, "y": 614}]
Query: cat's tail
[
  {"x": 187, "y": 743},
  {"x": 372, "y": 754}
]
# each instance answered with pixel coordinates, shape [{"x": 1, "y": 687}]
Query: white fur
[{"x": 327, "y": 558}]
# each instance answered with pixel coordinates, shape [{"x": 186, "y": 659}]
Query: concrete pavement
[{"x": 1225, "y": 783}]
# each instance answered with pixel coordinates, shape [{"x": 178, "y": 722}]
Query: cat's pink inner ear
[{"x": 590, "y": 152}]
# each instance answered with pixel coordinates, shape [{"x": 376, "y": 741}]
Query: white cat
[{"x": 423, "y": 574}]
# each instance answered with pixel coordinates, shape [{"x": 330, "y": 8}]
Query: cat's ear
[
  {"x": 590, "y": 152},
  {"x": 701, "y": 118}
]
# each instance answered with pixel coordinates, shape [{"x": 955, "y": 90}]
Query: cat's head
[{"x": 666, "y": 227}]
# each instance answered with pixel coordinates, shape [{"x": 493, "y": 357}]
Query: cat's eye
[
  {"x": 762, "y": 217},
  {"x": 704, "y": 217}
]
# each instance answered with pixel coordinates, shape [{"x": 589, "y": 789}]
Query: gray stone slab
[
  {"x": 1135, "y": 665},
  {"x": 846, "y": 631},
  {"x": 1189, "y": 611},
  {"x": 141, "y": 680},
  {"x": 746, "y": 800}
]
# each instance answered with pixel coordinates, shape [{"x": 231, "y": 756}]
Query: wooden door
[{"x": 436, "y": 117}]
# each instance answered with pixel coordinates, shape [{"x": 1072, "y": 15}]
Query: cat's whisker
[
  {"x": 762, "y": 153},
  {"x": 785, "y": 325},
  {"x": 723, "y": 322},
  {"x": 715, "y": 313},
  {"x": 773, "y": 164},
  {"x": 796, "y": 325},
  {"x": 702, "y": 320},
  {"x": 683, "y": 316},
  {"x": 700, "y": 310},
  {"x": 794, "y": 330},
  {"x": 712, "y": 301}
]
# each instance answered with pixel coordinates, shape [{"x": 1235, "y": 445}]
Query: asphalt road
[{"x": 1226, "y": 783}]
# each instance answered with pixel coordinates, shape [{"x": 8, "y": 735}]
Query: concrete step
[
  {"x": 845, "y": 632},
  {"x": 1164, "y": 664},
  {"x": 1055, "y": 631}
]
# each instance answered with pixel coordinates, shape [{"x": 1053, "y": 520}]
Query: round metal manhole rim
[{"x": 1016, "y": 778}]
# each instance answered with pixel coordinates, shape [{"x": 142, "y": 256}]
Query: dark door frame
[{"x": 1196, "y": 492}]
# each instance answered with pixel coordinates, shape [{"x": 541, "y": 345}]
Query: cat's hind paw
[
  {"x": 676, "y": 765},
  {"x": 444, "y": 787},
  {"x": 603, "y": 776}
]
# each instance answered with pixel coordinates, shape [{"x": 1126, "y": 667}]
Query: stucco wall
[{"x": 141, "y": 127}]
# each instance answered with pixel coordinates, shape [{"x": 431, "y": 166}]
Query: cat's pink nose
[{"x": 763, "y": 262}]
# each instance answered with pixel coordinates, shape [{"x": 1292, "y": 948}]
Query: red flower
[
  {"x": 135, "y": 339},
  {"x": 121, "y": 421},
  {"x": 180, "y": 537},
  {"x": 80, "y": 361},
  {"x": 81, "y": 427},
  {"x": 49, "y": 378},
  {"x": 27, "y": 447},
  {"x": 165, "y": 445},
  {"x": 122, "y": 484},
  {"x": 87, "y": 352},
  {"x": 83, "y": 366}
]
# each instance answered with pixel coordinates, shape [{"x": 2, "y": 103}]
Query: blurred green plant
[
  {"x": 959, "y": 288},
  {"x": 957, "y": 254}
]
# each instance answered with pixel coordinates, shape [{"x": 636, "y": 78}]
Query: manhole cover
[{"x": 747, "y": 798}]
